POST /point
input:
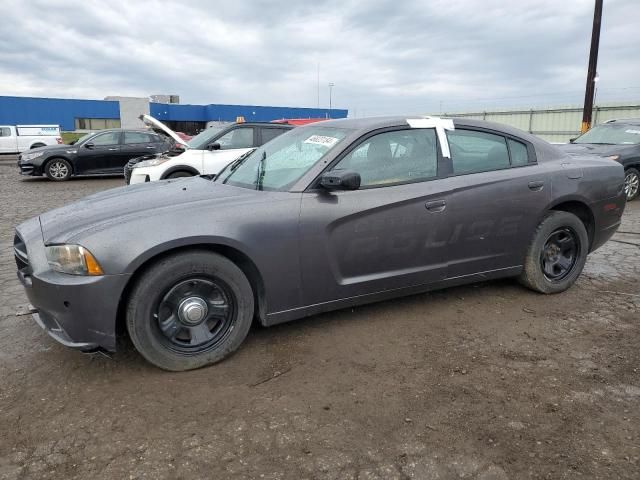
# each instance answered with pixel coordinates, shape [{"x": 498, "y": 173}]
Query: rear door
[
  {"x": 496, "y": 196},
  {"x": 136, "y": 144},
  {"x": 98, "y": 153},
  {"x": 387, "y": 234}
]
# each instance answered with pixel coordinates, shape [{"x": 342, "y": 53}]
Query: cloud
[{"x": 383, "y": 56}]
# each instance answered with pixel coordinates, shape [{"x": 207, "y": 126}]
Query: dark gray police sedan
[{"x": 330, "y": 215}]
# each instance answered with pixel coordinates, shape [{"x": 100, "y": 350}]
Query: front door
[
  {"x": 232, "y": 144},
  {"x": 384, "y": 235},
  {"x": 96, "y": 154}
]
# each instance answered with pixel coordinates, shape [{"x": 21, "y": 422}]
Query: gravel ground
[{"x": 488, "y": 381}]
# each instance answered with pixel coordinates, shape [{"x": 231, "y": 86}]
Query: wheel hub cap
[{"x": 192, "y": 310}]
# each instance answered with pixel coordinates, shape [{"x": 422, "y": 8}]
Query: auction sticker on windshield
[{"x": 322, "y": 140}]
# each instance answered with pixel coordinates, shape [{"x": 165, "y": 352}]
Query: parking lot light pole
[
  {"x": 331, "y": 85},
  {"x": 593, "y": 65}
]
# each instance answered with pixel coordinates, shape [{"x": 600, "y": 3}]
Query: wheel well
[
  {"x": 236, "y": 256},
  {"x": 583, "y": 212},
  {"x": 44, "y": 165}
]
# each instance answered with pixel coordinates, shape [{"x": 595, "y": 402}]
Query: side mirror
[
  {"x": 73, "y": 142},
  {"x": 572, "y": 140},
  {"x": 213, "y": 146},
  {"x": 89, "y": 145},
  {"x": 340, "y": 180}
]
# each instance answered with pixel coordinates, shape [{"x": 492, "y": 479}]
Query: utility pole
[
  {"x": 331, "y": 85},
  {"x": 593, "y": 65}
]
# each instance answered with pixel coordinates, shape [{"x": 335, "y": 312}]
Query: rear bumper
[{"x": 608, "y": 217}]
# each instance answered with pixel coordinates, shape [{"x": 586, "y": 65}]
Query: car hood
[
  {"x": 596, "y": 149},
  {"x": 124, "y": 204},
  {"x": 151, "y": 122}
]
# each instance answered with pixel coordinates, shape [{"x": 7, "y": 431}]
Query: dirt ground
[{"x": 488, "y": 381}]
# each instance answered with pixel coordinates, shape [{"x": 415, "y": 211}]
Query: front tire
[
  {"x": 180, "y": 174},
  {"x": 556, "y": 254},
  {"x": 189, "y": 310},
  {"x": 631, "y": 183},
  {"x": 58, "y": 170}
]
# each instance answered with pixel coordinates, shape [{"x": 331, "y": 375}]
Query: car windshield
[
  {"x": 612, "y": 134},
  {"x": 200, "y": 141},
  {"x": 280, "y": 163}
]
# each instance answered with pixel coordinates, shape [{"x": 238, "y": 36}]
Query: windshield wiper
[
  {"x": 235, "y": 164},
  {"x": 260, "y": 177}
]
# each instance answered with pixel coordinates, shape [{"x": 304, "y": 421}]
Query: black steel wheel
[
  {"x": 557, "y": 253},
  {"x": 189, "y": 309},
  {"x": 631, "y": 183},
  {"x": 195, "y": 314}
]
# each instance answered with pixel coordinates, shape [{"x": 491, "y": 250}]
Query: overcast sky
[{"x": 383, "y": 56}]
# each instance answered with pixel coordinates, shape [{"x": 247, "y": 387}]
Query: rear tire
[
  {"x": 631, "y": 183},
  {"x": 557, "y": 253},
  {"x": 189, "y": 310},
  {"x": 58, "y": 170},
  {"x": 180, "y": 174}
]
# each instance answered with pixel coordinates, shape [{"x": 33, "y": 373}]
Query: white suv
[{"x": 205, "y": 154}]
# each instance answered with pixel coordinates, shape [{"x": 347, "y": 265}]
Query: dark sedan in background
[
  {"x": 326, "y": 216},
  {"x": 617, "y": 140},
  {"x": 103, "y": 153}
]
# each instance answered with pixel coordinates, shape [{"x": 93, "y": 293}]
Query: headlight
[
  {"x": 72, "y": 259},
  {"x": 614, "y": 157},
  {"x": 151, "y": 163},
  {"x": 31, "y": 156}
]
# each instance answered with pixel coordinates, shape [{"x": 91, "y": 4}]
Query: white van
[
  {"x": 205, "y": 154},
  {"x": 18, "y": 138}
]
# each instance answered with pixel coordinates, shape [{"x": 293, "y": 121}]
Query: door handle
[
  {"x": 112, "y": 149},
  {"x": 151, "y": 147},
  {"x": 436, "y": 206},
  {"x": 536, "y": 186}
]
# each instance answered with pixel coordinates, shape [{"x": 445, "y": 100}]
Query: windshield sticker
[
  {"x": 322, "y": 140},
  {"x": 637, "y": 132}
]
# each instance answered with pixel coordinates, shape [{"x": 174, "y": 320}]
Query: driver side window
[
  {"x": 237, "y": 138},
  {"x": 109, "y": 138},
  {"x": 394, "y": 157}
]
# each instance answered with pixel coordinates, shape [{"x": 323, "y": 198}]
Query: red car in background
[{"x": 299, "y": 121}]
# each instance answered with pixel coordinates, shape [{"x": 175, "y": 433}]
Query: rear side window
[
  {"x": 519, "y": 154},
  {"x": 473, "y": 151},
  {"x": 269, "y": 134},
  {"x": 5, "y": 132},
  {"x": 138, "y": 137}
]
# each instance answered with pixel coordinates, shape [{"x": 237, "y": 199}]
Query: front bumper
[
  {"x": 27, "y": 168},
  {"x": 78, "y": 311},
  {"x": 144, "y": 175}
]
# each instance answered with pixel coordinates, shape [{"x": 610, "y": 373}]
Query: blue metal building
[{"x": 73, "y": 114}]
